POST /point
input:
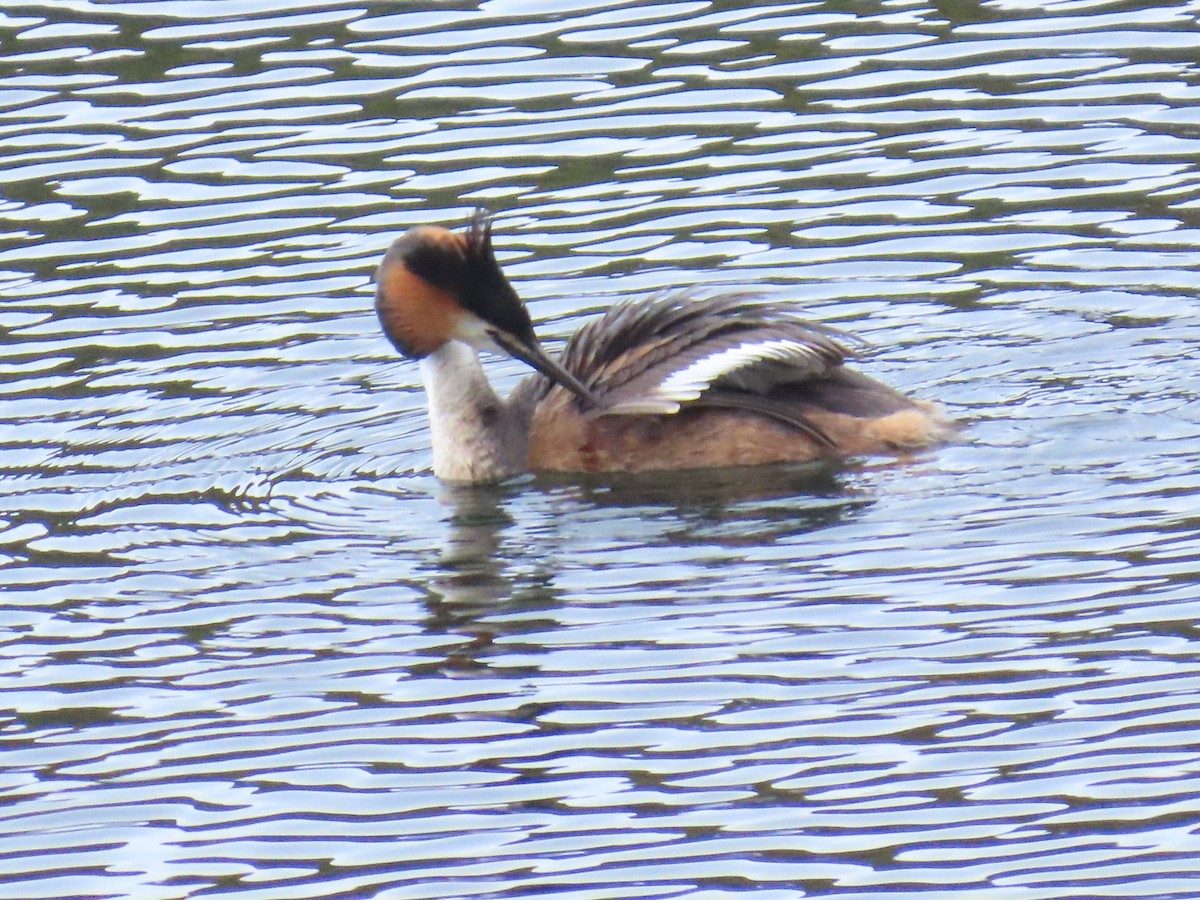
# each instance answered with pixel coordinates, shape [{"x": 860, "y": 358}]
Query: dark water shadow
[
  {"x": 707, "y": 489},
  {"x": 504, "y": 545}
]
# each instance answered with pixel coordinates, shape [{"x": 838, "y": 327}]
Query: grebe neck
[{"x": 476, "y": 435}]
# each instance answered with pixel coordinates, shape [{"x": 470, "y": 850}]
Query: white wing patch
[{"x": 688, "y": 383}]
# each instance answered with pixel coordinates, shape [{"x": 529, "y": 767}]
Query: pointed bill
[{"x": 533, "y": 355}]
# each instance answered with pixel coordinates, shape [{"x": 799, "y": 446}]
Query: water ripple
[{"x": 251, "y": 646}]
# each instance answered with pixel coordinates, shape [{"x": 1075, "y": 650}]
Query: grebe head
[{"x": 435, "y": 286}]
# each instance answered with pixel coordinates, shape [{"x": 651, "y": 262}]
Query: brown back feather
[{"x": 631, "y": 350}]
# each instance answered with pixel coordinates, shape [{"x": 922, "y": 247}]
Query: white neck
[{"x": 476, "y": 435}]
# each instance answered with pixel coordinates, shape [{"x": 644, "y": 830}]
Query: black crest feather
[
  {"x": 468, "y": 269},
  {"x": 483, "y": 288}
]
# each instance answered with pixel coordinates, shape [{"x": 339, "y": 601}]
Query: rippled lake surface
[{"x": 251, "y": 647}]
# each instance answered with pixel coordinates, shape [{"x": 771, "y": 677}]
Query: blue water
[{"x": 251, "y": 647}]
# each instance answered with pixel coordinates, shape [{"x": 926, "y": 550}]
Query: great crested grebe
[{"x": 671, "y": 382}]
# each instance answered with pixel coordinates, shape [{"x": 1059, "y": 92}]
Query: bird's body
[{"x": 669, "y": 382}]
